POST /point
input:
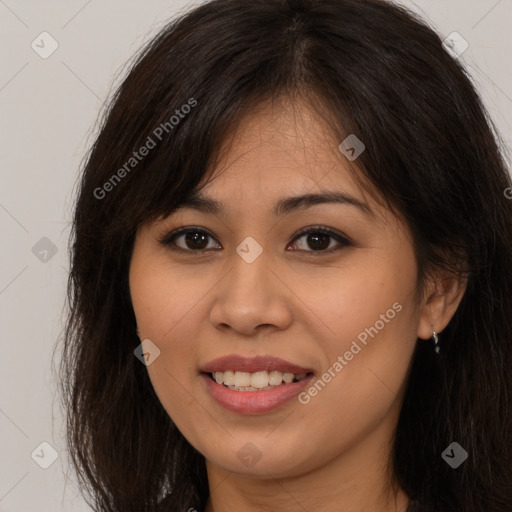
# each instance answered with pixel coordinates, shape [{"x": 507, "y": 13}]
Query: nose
[{"x": 253, "y": 297}]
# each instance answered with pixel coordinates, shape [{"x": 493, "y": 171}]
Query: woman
[{"x": 290, "y": 284}]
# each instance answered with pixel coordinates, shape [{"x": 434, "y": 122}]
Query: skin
[{"x": 292, "y": 302}]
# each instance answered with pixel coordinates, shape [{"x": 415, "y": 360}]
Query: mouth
[
  {"x": 255, "y": 384},
  {"x": 256, "y": 381},
  {"x": 252, "y": 400}
]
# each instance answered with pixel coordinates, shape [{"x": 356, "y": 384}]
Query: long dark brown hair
[{"x": 432, "y": 152}]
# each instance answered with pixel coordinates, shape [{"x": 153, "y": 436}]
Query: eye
[
  {"x": 319, "y": 239},
  {"x": 189, "y": 238},
  {"x": 196, "y": 239}
]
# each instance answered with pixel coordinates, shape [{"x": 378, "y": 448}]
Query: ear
[{"x": 442, "y": 298}]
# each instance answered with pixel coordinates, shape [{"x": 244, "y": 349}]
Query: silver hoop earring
[{"x": 436, "y": 342}]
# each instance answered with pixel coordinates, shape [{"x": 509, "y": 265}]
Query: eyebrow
[{"x": 284, "y": 206}]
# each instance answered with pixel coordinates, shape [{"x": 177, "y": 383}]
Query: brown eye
[
  {"x": 196, "y": 240},
  {"x": 320, "y": 240},
  {"x": 189, "y": 239},
  {"x": 315, "y": 239}
]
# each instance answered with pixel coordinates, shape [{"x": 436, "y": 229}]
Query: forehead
[{"x": 280, "y": 146}]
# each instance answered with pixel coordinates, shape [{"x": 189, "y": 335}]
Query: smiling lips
[
  {"x": 238, "y": 363},
  {"x": 245, "y": 381},
  {"x": 271, "y": 382}
]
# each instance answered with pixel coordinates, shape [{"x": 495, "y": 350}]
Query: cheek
[
  {"x": 164, "y": 300},
  {"x": 349, "y": 299},
  {"x": 166, "y": 305},
  {"x": 370, "y": 317},
  {"x": 166, "y": 310},
  {"x": 365, "y": 372}
]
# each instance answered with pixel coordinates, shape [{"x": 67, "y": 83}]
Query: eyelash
[{"x": 169, "y": 239}]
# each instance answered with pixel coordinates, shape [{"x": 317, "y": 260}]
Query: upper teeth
[{"x": 256, "y": 380}]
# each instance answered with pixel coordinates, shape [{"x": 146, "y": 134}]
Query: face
[{"x": 338, "y": 302}]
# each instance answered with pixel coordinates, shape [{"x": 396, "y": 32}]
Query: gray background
[{"x": 48, "y": 112}]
